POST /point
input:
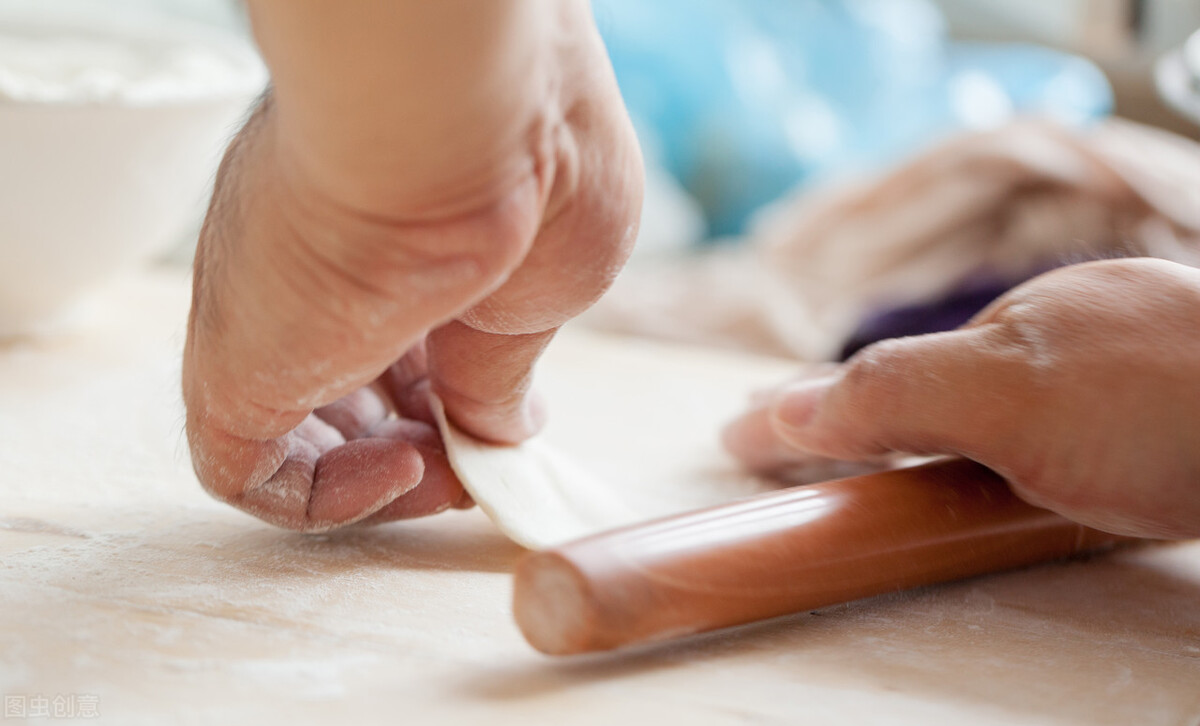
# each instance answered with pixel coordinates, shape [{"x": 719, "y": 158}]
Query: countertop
[{"x": 125, "y": 590}]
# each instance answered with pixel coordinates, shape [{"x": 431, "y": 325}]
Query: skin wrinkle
[
  {"x": 215, "y": 471},
  {"x": 353, "y": 415},
  {"x": 520, "y": 308},
  {"x": 515, "y": 383},
  {"x": 320, "y": 288},
  {"x": 1099, "y": 366},
  {"x": 272, "y": 490},
  {"x": 376, "y": 314},
  {"x": 561, "y": 170},
  {"x": 585, "y": 279},
  {"x": 332, "y": 385},
  {"x": 279, "y": 490},
  {"x": 320, "y": 433},
  {"x": 1051, "y": 387},
  {"x": 383, "y": 301},
  {"x": 438, "y": 271}
]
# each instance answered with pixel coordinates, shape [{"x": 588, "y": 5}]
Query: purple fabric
[{"x": 945, "y": 313}]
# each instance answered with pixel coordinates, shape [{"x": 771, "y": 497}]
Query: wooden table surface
[{"x": 125, "y": 589}]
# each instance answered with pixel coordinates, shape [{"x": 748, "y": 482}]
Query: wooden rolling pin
[{"x": 784, "y": 552}]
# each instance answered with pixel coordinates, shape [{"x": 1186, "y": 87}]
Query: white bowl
[{"x": 104, "y": 164}]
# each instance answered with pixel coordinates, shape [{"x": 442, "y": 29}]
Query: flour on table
[{"x": 537, "y": 496}]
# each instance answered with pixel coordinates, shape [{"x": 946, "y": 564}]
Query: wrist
[{"x": 419, "y": 111}]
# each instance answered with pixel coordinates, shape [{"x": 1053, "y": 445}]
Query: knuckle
[
  {"x": 568, "y": 270},
  {"x": 1029, "y": 481},
  {"x": 864, "y": 412},
  {"x": 384, "y": 266},
  {"x": 440, "y": 264},
  {"x": 1035, "y": 475},
  {"x": 878, "y": 368},
  {"x": 227, "y": 466},
  {"x": 497, "y": 401}
]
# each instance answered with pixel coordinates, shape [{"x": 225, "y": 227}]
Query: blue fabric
[{"x": 742, "y": 100}]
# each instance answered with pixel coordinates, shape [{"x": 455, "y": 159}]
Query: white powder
[{"x": 124, "y": 61}]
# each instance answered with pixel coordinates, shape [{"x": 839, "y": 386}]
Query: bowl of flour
[{"x": 111, "y": 128}]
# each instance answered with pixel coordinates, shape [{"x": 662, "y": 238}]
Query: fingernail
[{"x": 798, "y": 403}]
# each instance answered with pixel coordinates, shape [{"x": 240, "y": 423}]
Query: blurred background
[
  {"x": 741, "y": 101},
  {"x": 113, "y": 113}
]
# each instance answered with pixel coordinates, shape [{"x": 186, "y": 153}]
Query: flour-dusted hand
[
  {"x": 1081, "y": 387},
  {"x": 427, "y": 193}
]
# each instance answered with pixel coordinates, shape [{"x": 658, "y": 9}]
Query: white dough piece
[{"x": 536, "y": 495}]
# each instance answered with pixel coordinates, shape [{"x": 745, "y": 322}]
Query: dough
[{"x": 535, "y": 494}]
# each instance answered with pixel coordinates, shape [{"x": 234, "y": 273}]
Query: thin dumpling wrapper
[{"x": 536, "y": 495}]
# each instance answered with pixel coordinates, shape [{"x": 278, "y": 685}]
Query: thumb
[
  {"x": 298, "y": 302},
  {"x": 946, "y": 393}
]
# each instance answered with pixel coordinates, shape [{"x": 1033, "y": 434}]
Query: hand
[
  {"x": 429, "y": 192},
  {"x": 1081, "y": 388}
]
